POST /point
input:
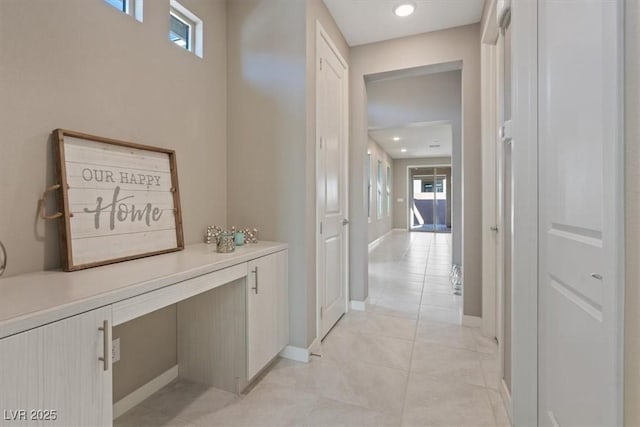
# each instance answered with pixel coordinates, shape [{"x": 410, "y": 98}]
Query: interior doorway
[{"x": 429, "y": 196}]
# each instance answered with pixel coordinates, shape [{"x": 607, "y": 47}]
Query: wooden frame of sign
[{"x": 120, "y": 200}]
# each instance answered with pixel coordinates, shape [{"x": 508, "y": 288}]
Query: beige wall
[
  {"x": 104, "y": 73},
  {"x": 148, "y": 348},
  {"x": 462, "y": 43},
  {"x": 400, "y": 189},
  {"x": 266, "y": 133},
  {"x": 378, "y": 227},
  {"x": 271, "y": 145},
  {"x": 632, "y": 227},
  {"x": 414, "y": 99},
  {"x": 85, "y": 66}
]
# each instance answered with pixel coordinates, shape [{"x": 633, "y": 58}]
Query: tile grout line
[{"x": 413, "y": 343}]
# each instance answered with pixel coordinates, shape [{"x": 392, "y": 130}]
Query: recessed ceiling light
[
  {"x": 404, "y": 150},
  {"x": 396, "y": 138},
  {"x": 404, "y": 9}
]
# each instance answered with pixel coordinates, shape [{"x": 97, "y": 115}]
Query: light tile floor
[{"x": 405, "y": 361}]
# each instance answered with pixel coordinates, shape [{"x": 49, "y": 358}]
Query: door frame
[
  {"x": 321, "y": 34},
  {"x": 524, "y": 161},
  {"x": 493, "y": 179},
  {"x": 490, "y": 167},
  {"x": 504, "y": 176},
  {"x": 524, "y": 297}
]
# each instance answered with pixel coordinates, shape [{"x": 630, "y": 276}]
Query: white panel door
[
  {"x": 331, "y": 186},
  {"x": 581, "y": 216},
  {"x": 55, "y": 374}
]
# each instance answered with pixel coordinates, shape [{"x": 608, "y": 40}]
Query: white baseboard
[
  {"x": 138, "y": 396},
  {"x": 297, "y": 354},
  {"x": 374, "y": 243},
  {"x": 359, "y": 305},
  {"x": 472, "y": 321},
  {"x": 506, "y": 399}
]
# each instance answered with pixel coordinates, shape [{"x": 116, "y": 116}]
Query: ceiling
[
  {"x": 416, "y": 139},
  {"x": 369, "y": 21}
]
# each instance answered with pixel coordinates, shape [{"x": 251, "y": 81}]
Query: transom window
[
  {"x": 121, "y": 5},
  {"x": 180, "y": 31},
  {"x": 130, "y": 7},
  {"x": 185, "y": 28}
]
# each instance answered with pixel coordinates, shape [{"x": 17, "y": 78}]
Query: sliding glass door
[{"x": 430, "y": 195}]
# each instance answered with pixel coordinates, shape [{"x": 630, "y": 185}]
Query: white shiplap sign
[{"x": 120, "y": 200}]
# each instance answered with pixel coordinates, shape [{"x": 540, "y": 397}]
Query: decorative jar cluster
[{"x": 227, "y": 240}]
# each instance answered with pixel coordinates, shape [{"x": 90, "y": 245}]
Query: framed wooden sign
[{"x": 119, "y": 201}]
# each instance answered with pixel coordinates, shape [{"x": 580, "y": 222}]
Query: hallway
[{"x": 406, "y": 361}]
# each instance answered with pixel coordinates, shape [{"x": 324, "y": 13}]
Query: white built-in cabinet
[
  {"x": 53, "y": 375},
  {"x": 267, "y": 313},
  {"x": 231, "y": 323}
]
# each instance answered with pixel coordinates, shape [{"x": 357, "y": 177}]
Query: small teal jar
[{"x": 239, "y": 238}]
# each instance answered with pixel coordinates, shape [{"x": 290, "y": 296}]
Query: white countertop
[{"x": 31, "y": 300}]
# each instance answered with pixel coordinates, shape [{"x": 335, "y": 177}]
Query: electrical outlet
[{"x": 115, "y": 350}]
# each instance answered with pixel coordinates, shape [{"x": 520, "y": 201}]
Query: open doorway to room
[
  {"x": 415, "y": 207},
  {"x": 415, "y": 117}
]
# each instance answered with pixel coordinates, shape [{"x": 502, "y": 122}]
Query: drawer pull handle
[
  {"x": 255, "y": 288},
  {"x": 105, "y": 344}
]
